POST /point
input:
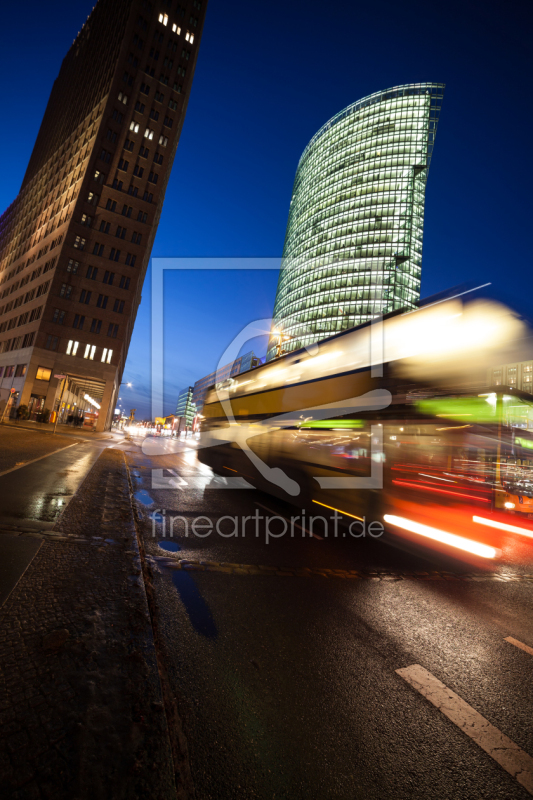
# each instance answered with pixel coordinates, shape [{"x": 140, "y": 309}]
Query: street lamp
[{"x": 283, "y": 337}]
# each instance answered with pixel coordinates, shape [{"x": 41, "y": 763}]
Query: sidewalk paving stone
[{"x": 82, "y": 708}]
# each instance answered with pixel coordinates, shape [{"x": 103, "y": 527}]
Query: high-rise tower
[
  {"x": 353, "y": 246},
  {"x": 75, "y": 244}
]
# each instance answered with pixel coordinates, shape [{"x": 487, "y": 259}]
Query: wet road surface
[
  {"x": 33, "y": 498},
  {"x": 37, "y": 494},
  {"x": 288, "y": 686}
]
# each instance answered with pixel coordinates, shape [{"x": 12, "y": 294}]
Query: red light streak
[{"x": 414, "y": 485}]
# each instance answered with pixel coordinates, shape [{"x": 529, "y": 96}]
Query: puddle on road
[
  {"x": 171, "y": 547},
  {"x": 144, "y": 498},
  {"x": 45, "y": 508},
  {"x": 195, "y": 605}
]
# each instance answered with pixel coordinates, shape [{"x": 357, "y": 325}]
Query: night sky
[{"x": 268, "y": 77}]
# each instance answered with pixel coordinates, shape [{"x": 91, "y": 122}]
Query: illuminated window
[
  {"x": 148, "y": 134},
  {"x": 43, "y": 374},
  {"x": 123, "y": 98},
  {"x": 72, "y": 348},
  {"x": 109, "y": 356},
  {"x": 364, "y": 149},
  {"x": 163, "y": 18},
  {"x": 134, "y": 126},
  {"x": 104, "y": 354},
  {"x": 163, "y": 141},
  {"x": 189, "y": 37},
  {"x": 89, "y": 351},
  {"x": 176, "y": 29}
]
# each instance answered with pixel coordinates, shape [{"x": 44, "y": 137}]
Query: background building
[
  {"x": 518, "y": 375},
  {"x": 75, "y": 244},
  {"x": 241, "y": 364},
  {"x": 186, "y": 408},
  {"x": 353, "y": 246}
]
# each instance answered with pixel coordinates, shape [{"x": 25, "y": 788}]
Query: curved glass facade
[{"x": 353, "y": 246}]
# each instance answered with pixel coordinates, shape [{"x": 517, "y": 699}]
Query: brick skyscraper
[{"x": 75, "y": 244}]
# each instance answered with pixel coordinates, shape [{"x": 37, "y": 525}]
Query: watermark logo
[
  {"x": 263, "y": 526},
  {"x": 315, "y": 361}
]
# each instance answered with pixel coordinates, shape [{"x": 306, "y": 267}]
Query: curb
[
  {"x": 193, "y": 565},
  {"x": 177, "y": 741}
]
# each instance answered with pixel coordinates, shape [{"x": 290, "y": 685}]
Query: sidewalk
[
  {"x": 82, "y": 714},
  {"x": 67, "y": 430}
]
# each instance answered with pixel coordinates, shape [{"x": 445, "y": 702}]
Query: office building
[
  {"x": 241, "y": 364},
  {"x": 518, "y": 376},
  {"x": 353, "y": 245},
  {"x": 186, "y": 408},
  {"x": 75, "y": 243}
]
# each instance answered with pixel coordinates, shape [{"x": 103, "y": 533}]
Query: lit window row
[{"x": 90, "y": 350}]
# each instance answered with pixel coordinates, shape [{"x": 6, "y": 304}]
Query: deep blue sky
[{"x": 268, "y": 76}]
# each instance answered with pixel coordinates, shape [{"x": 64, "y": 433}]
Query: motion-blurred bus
[{"x": 391, "y": 421}]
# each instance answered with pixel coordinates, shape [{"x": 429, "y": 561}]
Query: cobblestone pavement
[
  {"x": 81, "y": 707},
  {"x": 18, "y": 446}
]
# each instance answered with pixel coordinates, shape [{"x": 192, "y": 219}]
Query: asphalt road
[
  {"x": 34, "y": 496},
  {"x": 288, "y": 687}
]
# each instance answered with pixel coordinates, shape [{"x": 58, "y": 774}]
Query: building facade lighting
[{"x": 353, "y": 245}]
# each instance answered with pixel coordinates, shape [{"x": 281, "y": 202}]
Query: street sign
[{"x": 60, "y": 377}]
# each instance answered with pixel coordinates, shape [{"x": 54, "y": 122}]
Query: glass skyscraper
[
  {"x": 353, "y": 246},
  {"x": 185, "y": 407}
]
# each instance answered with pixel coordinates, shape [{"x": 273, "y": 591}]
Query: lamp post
[
  {"x": 282, "y": 337},
  {"x": 8, "y": 403},
  {"x": 65, "y": 381},
  {"x": 124, "y": 383}
]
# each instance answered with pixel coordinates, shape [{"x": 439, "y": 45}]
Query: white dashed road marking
[
  {"x": 521, "y": 645},
  {"x": 505, "y": 752}
]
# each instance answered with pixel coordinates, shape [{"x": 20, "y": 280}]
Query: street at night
[
  {"x": 282, "y": 653},
  {"x": 284, "y": 656},
  {"x": 266, "y": 401}
]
